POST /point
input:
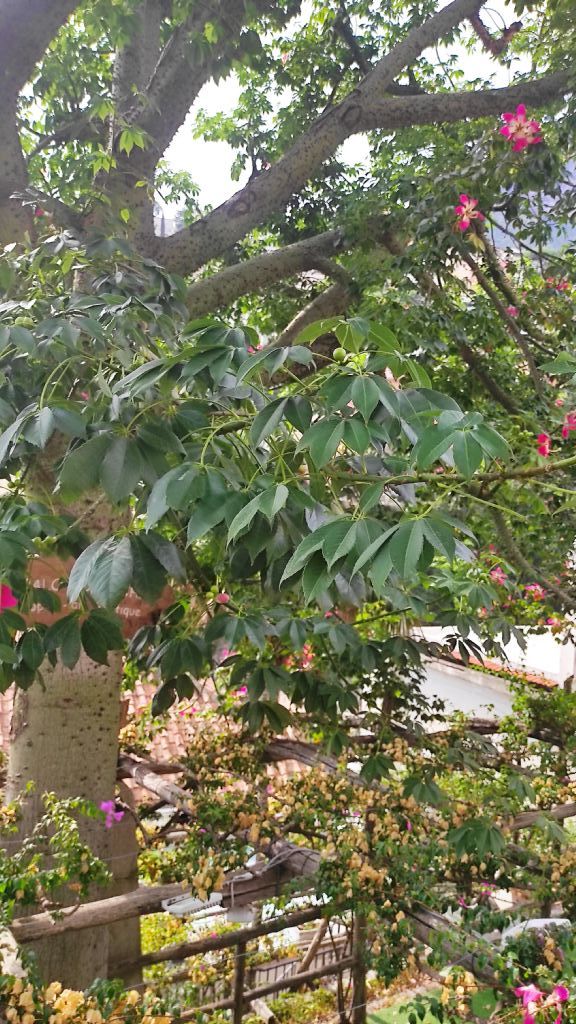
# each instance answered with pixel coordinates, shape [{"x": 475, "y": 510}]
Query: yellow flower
[
  {"x": 132, "y": 997},
  {"x": 68, "y": 1003},
  {"x": 94, "y": 1017},
  {"x": 53, "y": 990}
]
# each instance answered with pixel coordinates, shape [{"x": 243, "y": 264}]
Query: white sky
[{"x": 210, "y": 162}]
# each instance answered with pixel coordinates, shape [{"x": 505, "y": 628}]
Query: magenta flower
[
  {"x": 569, "y": 423},
  {"x": 39, "y": 212},
  {"x": 512, "y": 311},
  {"x": 241, "y": 692},
  {"x": 544, "y": 445},
  {"x": 498, "y": 575},
  {"x": 7, "y": 597},
  {"x": 535, "y": 591},
  {"x": 112, "y": 815},
  {"x": 559, "y": 995},
  {"x": 466, "y": 212},
  {"x": 462, "y": 902},
  {"x": 520, "y": 130},
  {"x": 222, "y": 598},
  {"x": 530, "y": 996}
]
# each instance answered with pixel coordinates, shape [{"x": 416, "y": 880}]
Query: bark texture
[{"x": 65, "y": 740}]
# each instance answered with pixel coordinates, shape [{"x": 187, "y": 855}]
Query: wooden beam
[
  {"x": 239, "y": 975},
  {"x": 182, "y": 950},
  {"x": 297, "y": 981},
  {"x": 176, "y": 796},
  {"x": 145, "y": 900}
]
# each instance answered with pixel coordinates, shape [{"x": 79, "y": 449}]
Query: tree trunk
[{"x": 65, "y": 740}]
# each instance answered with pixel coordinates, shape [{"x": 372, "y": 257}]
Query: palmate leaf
[{"x": 322, "y": 440}]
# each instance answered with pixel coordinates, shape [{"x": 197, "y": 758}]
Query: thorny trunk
[{"x": 65, "y": 740}]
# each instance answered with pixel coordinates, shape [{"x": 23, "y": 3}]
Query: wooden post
[
  {"x": 239, "y": 972},
  {"x": 358, "y": 1011}
]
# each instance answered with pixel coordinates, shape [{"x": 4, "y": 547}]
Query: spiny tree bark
[{"x": 64, "y": 739}]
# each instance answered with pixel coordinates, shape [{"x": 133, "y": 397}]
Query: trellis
[{"x": 285, "y": 861}]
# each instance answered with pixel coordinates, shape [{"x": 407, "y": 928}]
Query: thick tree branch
[
  {"x": 440, "y": 108},
  {"x": 258, "y": 273},
  {"x": 26, "y": 28},
  {"x": 191, "y": 248},
  {"x": 334, "y": 301},
  {"x": 188, "y": 62}
]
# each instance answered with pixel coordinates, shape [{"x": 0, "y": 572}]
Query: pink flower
[
  {"x": 250, "y": 349},
  {"x": 519, "y": 130},
  {"x": 285, "y": 58},
  {"x": 112, "y": 815},
  {"x": 559, "y": 995},
  {"x": 222, "y": 598},
  {"x": 569, "y": 423},
  {"x": 559, "y": 402},
  {"x": 462, "y": 902},
  {"x": 241, "y": 692},
  {"x": 408, "y": 825},
  {"x": 535, "y": 591},
  {"x": 498, "y": 575},
  {"x": 544, "y": 445},
  {"x": 84, "y": 395},
  {"x": 530, "y": 996},
  {"x": 39, "y": 212},
  {"x": 7, "y": 598},
  {"x": 558, "y": 285},
  {"x": 466, "y": 212},
  {"x": 512, "y": 310}
]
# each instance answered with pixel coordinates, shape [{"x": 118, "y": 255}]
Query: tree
[{"x": 365, "y": 455}]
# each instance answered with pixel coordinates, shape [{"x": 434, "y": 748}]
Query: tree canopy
[{"x": 337, "y": 407}]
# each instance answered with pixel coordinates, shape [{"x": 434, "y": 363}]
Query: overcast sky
[{"x": 210, "y": 162}]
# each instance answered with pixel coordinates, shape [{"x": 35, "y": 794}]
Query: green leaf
[
  {"x": 267, "y": 420},
  {"x": 64, "y": 636},
  {"x": 31, "y": 649},
  {"x": 356, "y": 435},
  {"x": 298, "y": 412},
  {"x": 370, "y": 497},
  {"x": 467, "y": 453},
  {"x": 405, "y": 547},
  {"x": 365, "y": 395},
  {"x": 322, "y": 440},
  {"x": 305, "y": 549},
  {"x": 205, "y": 517},
  {"x": 339, "y": 541},
  {"x": 315, "y": 330},
  {"x": 244, "y": 517},
  {"x": 40, "y": 428},
  {"x": 440, "y": 536},
  {"x": 165, "y": 552},
  {"x": 9, "y": 437},
  {"x": 315, "y": 578},
  {"x": 82, "y": 568},
  {"x": 81, "y": 469},
  {"x": 273, "y": 500},
  {"x": 433, "y": 443},
  {"x": 148, "y": 575},
  {"x": 94, "y": 638},
  {"x": 372, "y": 548},
  {"x": 111, "y": 572},
  {"x": 121, "y": 468},
  {"x": 491, "y": 442}
]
